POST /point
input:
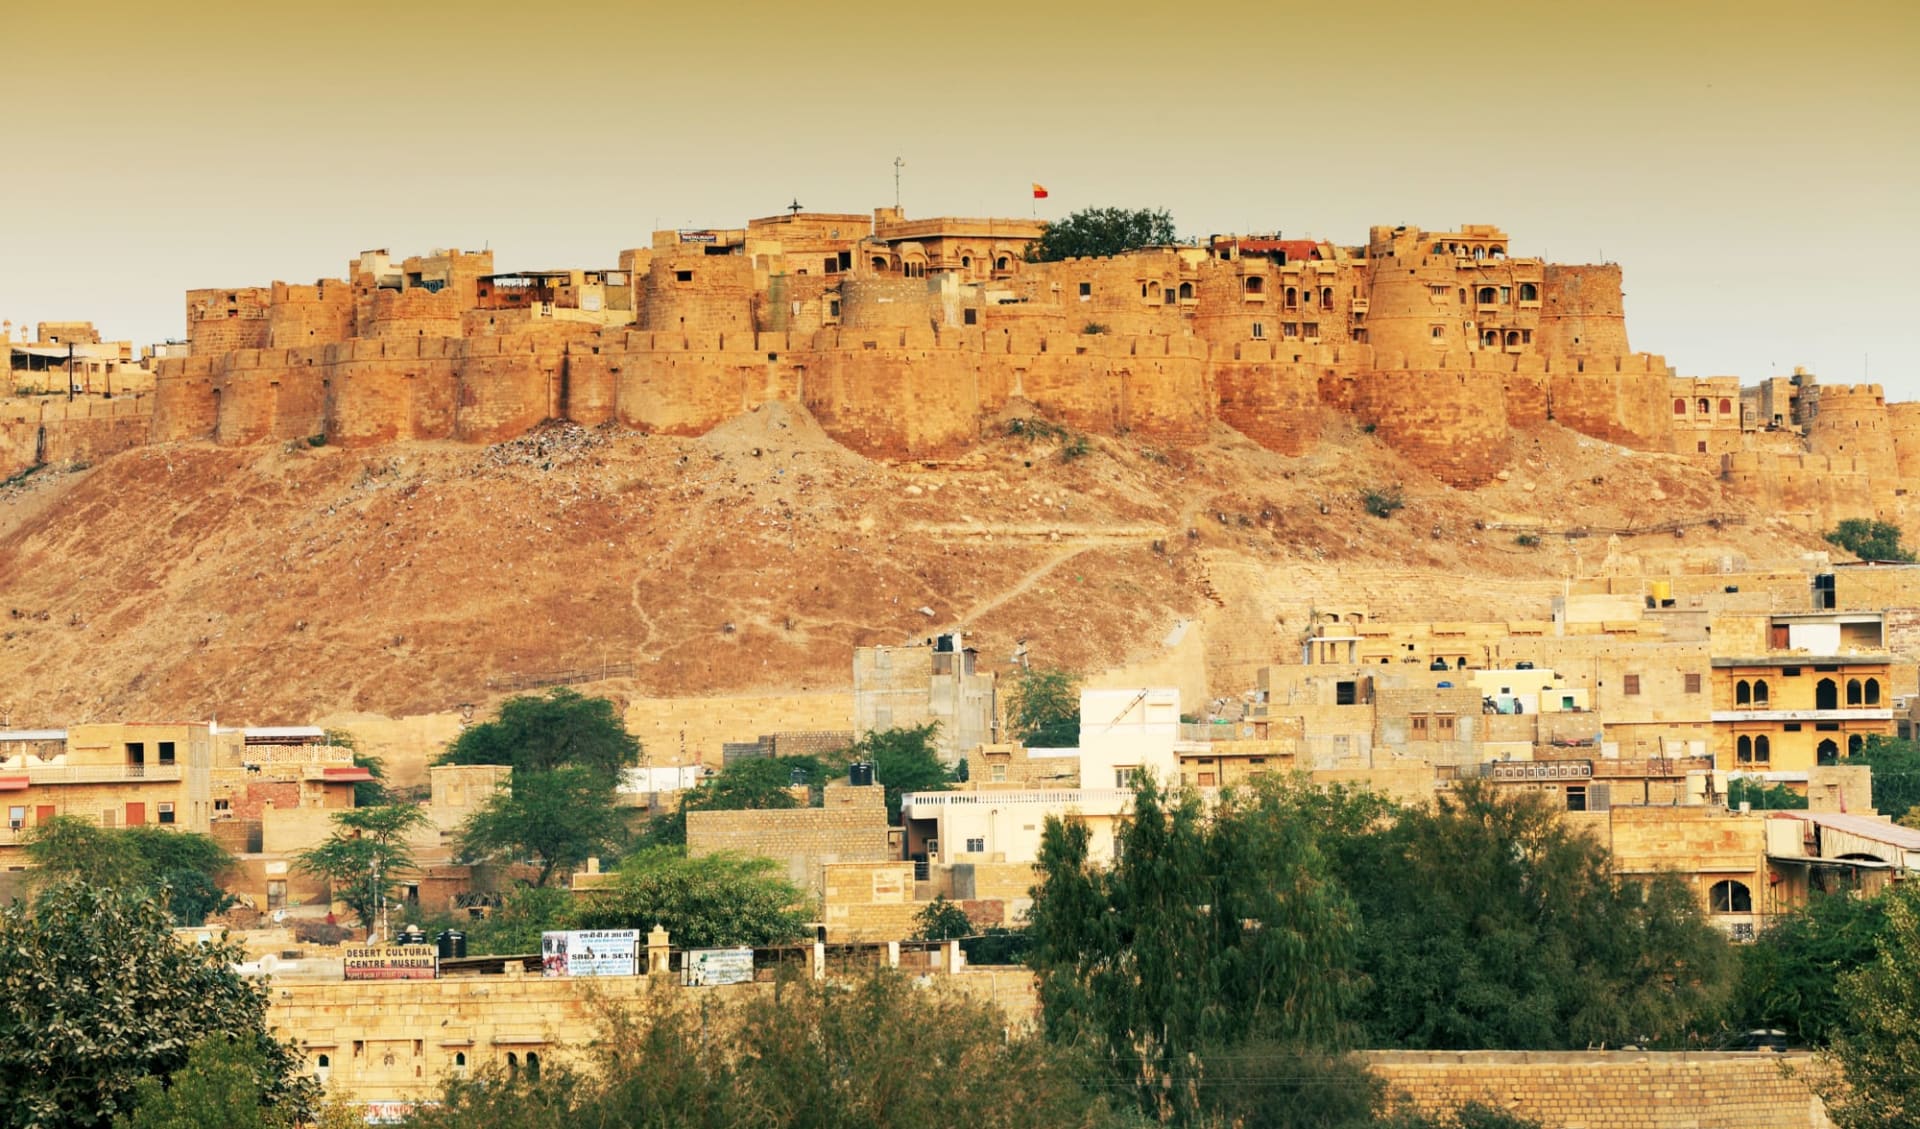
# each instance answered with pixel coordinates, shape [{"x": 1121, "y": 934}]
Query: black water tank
[
  {"x": 860, "y": 773},
  {"x": 452, "y": 944}
]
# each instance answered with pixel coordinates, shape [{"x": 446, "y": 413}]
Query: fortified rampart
[{"x": 1438, "y": 340}]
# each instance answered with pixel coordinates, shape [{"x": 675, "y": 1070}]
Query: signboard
[
  {"x": 589, "y": 952},
  {"x": 391, "y": 962},
  {"x": 706, "y": 967},
  {"x": 698, "y": 237}
]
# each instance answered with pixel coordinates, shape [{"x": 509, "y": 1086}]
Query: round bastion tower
[
  {"x": 1850, "y": 421},
  {"x": 1418, "y": 309},
  {"x": 699, "y": 293}
]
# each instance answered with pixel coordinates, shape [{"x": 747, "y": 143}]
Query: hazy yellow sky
[{"x": 1752, "y": 164}]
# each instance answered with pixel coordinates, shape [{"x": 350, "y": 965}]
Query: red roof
[
  {"x": 14, "y": 783},
  {"x": 1296, "y": 250}
]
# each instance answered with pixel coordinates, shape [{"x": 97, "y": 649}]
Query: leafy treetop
[
  {"x": 538, "y": 733},
  {"x": 75, "y": 1044},
  {"x": 1870, "y": 540},
  {"x": 1043, "y": 710},
  {"x": 188, "y": 865},
  {"x": 1100, "y": 232}
]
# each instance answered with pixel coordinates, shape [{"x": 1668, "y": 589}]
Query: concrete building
[
  {"x": 933, "y": 682},
  {"x": 118, "y": 774}
]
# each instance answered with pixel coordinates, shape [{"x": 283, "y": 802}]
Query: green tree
[
  {"x": 903, "y": 761},
  {"x": 708, "y": 902},
  {"x": 183, "y": 866},
  {"x": 1043, "y": 710},
  {"x": 1790, "y": 975},
  {"x": 1896, "y": 773},
  {"x": 559, "y": 818},
  {"x": 1876, "y": 1050},
  {"x": 540, "y": 733},
  {"x": 515, "y": 926},
  {"x": 1101, "y": 232},
  {"x": 1762, "y": 796},
  {"x": 941, "y": 920},
  {"x": 221, "y": 1084},
  {"x": 1870, "y": 540},
  {"x": 96, "y": 994},
  {"x": 364, "y": 856},
  {"x": 1204, "y": 933},
  {"x": 1490, "y": 924}
]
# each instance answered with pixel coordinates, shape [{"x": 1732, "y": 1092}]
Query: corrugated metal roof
[{"x": 1866, "y": 827}]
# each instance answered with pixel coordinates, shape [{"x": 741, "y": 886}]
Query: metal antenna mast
[{"x": 898, "y": 164}]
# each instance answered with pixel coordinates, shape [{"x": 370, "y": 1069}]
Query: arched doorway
[
  {"x": 1828, "y": 753},
  {"x": 1826, "y": 696}
]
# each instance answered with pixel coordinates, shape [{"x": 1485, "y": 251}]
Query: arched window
[
  {"x": 1855, "y": 743},
  {"x": 1186, "y": 291},
  {"x": 1743, "y": 750},
  {"x": 1292, "y": 297},
  {"x": 1828, "y": 752},
  {"x": 1730, "y": 897},
  {"x": 1513, "y": 337},
  {"x": 1479, "y": 252},
  {"x": 1490, "y": 338},
  {"x": 966, "y": 261},
  {"x": 1826, "y": 696},
  {"x": 1704, "y": 406},
  {"x": 1873, "y": 691},
  {"x": 513, "y": 1065},
  {"x": 460, "y": 1060},
  {"x": 1679, "y": 407},
  {"x": 1529, "y": 292},
  {"x": 533, "y": 1067},
  {"x": 1486, "y": 295},
  {"x": 879, "y": 262},
  {"x": 1001, "y": 263},
  {"x": 1762, "y": 749},
  {"x": 1759, "y": 691},
  {"x": 1726, "y": 406},
  {"x": 1854, "y": 693},
  {"x": 1742, "y": 693},
  {"x": 1256, "y": 284},
  {"x": 1326, "y": 296},
  {"x": 323, "y": 1062}
]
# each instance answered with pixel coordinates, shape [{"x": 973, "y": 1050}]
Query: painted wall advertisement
[
  {"x": 707, "y": 967},
  {"x": 391, "y": 962},
  {"x": 589, "y": 952}
]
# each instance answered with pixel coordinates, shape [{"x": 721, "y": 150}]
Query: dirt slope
[{"x": 280, "y": 583}]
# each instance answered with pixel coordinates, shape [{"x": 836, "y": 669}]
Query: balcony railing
[{"x": 104, "y": 773}]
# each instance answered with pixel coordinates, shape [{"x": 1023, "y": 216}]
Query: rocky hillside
[{"x": 285, "y": 582}]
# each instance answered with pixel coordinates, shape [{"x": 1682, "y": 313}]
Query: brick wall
[{"x": 852, "y": 827}]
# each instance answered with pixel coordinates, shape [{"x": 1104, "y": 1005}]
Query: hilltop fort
[{"x": 906, "y": 338}]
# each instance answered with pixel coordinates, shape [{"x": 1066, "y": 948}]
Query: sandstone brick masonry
[
  {"x": 1616, "y": 1090},
  {"x": 1438, "y": 340},
  {"x": 850, "y": 828}
]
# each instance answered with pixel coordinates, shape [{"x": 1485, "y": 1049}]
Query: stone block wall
[
  {"x": 851, "y": 828},
  {"x": 1615, "y": 1090}
]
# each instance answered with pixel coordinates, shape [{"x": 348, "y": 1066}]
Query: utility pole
[{"x": 898, "y": 164}]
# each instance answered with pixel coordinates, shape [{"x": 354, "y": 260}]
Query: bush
[
  {"x": 1075, "y": 448},
  {"x": 1035, "y": 429},
  {"x": 1093, "y": 328},
  {"x": 1871, "y": 540},
  {"x": 1526, "y": 541},
  {"x": 319, "y": 440},
  {"x": 1384, "y": 503}
]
